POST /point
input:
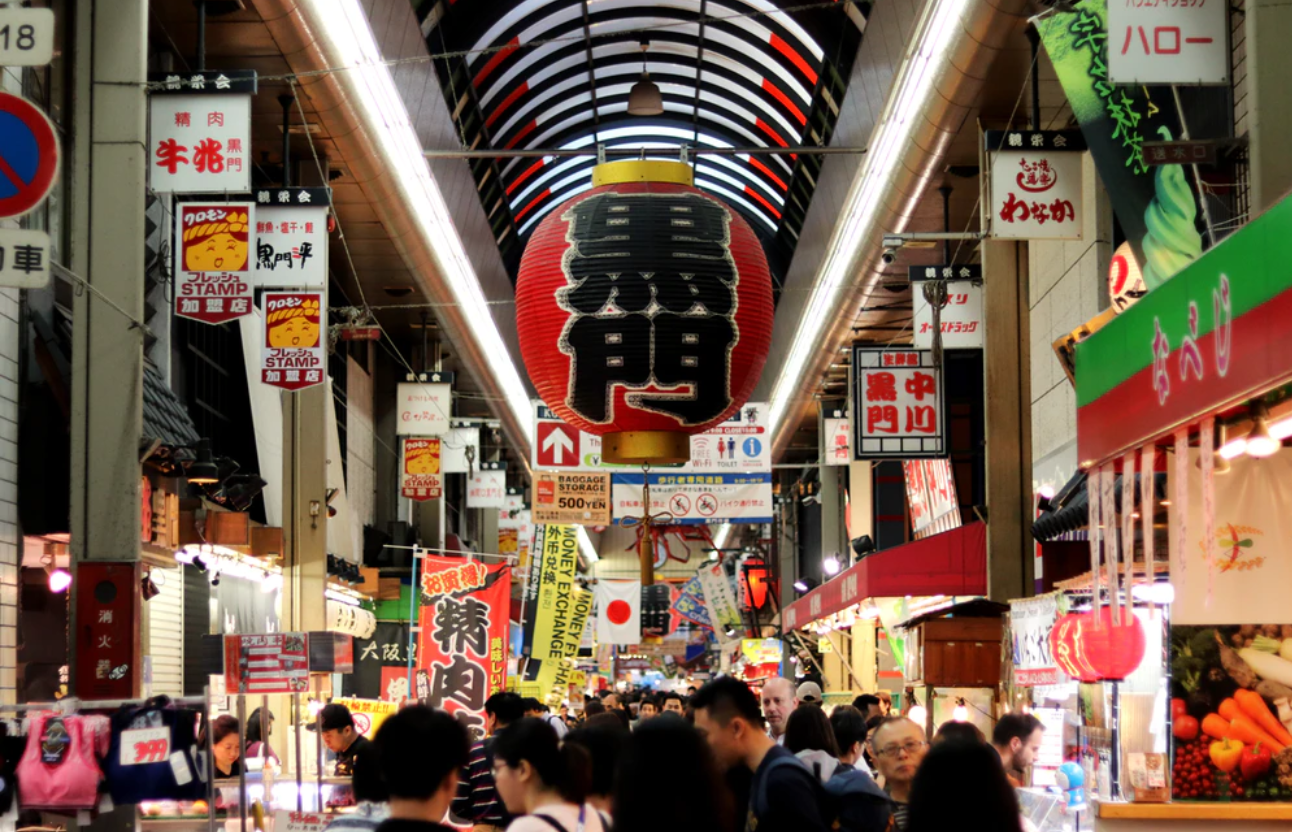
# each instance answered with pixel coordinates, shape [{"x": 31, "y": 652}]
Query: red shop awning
[{"x": 951, "y": 563}]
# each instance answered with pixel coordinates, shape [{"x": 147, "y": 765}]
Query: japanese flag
[{"x": 619, "y": 612}]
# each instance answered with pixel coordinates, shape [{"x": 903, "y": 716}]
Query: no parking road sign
[{"x": 28, "y": 156}]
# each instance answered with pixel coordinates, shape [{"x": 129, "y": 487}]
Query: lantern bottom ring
[{"x": 654, "y": 447}]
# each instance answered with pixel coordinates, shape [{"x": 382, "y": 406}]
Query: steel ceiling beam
[{"x": 591, "y": 152}]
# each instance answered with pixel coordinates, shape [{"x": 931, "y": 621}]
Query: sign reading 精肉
[
  {"x": 422, "y": 478},
  {"x": 897, "y": 404},
  {"x": 1165, "y": 42},
  {"x": 292, "y": 354},
  {"x": 291, "y": 238},
  {"x": 200, "y": 143},
  {"x": 572, "y": 498},
  {"x": 961, "y": 318},
  {"x": 1035, "y": 184},
  {"x": 213, "y": 261},
  {"x": 424, "y": 406}
]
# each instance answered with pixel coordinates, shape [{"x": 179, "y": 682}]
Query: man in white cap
[{"x": 809, "y": 693}]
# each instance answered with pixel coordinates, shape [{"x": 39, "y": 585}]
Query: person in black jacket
[{"x": 420, "y": 753}]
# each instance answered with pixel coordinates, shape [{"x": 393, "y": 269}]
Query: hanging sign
[
  {"x": 24, "y": 258},
  {"x": 286, "y": 820},
  {"x": 962, "y": 271},
  {"x": 572, "y": 498},
  {"x": 293, "y": 355},
  {"x": 462, "y": 641},
  {"x": 718, "y": 597},
  {"x": 835, "y": 436},
  {"x": 1125, "y": 280},
  {"x": 1036, "y": 184},
  {"x": 422, "y": 479},
  {"x": 695, "y": 499},
  {"x": 931, "y": 496},
  {"x": 270, "y": 663},
  {"x": 1030, "y": 622},
  {"x": 368, "y": 714},
  {"x": 897, "y": 404},
  {"x": 460, "y": 450},
  {"x": 291, "y": 238},
  {"x": 487, "y": 487},
  {"x": 29, "y": 150},
  {"x": 560, "y": 607},
  {"x": 213, "y": 261},
  {"x": 107, "y": 638},
  {"x": 513, "y": 505},
  {"x": 200, "y": 143},
  {"x": 425, "y": 406},
  {"x": 26, "y": 37},
  {"x": 1151, "y": 42},
  {"x": 961, "y": 318}
]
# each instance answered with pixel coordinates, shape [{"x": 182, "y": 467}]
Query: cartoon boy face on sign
[
  {"x": 294, "y": 326},
  {"x": 423, "y": 460},
  {"x": 218, "y": 242}
]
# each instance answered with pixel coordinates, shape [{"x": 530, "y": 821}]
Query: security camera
[{"x": 889, "y": 255}]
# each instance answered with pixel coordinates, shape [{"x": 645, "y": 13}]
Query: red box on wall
[{"x": 107, "y": 630}]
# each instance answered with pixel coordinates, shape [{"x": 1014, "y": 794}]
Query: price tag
[
  {"x": 26, "y": 37},
  {"x": 140, "y": 746}
]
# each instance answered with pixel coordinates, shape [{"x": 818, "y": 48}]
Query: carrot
[
  {"x": 1253, "y": 704},
  {"x": 1243, "y": 729},
  {"x": 1229, "y": 709},
  {"x": 1214, "y": 725}
]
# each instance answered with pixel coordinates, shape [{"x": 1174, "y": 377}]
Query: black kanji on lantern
[{"x": 652, "y": 301}]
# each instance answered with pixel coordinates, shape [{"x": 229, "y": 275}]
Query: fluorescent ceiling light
[
  {"x": 345, "y": 27},
  {"x": 910, "y": 96},
  {"x": 720, "y": 539},
  {"x": 585, "y": 546}
]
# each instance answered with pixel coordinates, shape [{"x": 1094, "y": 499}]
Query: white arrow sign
[{"x": 558, "y": 442}]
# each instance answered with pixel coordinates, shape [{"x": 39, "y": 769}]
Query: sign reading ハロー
[
  {"x": 422, "y": 478},
  {"x": 1215, "y": 334},
  {"x": 1036, "y": 184},
  {"x": 212, "y": 261},
  {"x": 897, "y": 404},
  {"x": 292, "y": 354},
  {"x": 1168, "y": 42}
]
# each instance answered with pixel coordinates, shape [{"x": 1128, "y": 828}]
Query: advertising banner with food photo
[
  {"x": 422, "y": 479},
  {"x": 462, "y": 641},
  {"x": 213, "y": 263},
  {"x": 1231, "y": 712},
  {"x": 293, "y": 355}
]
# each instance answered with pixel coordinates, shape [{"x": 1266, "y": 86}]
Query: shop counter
[{"x": 1187, "y": 817}]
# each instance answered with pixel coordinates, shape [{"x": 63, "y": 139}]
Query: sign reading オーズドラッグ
[
  {"x": 293, "y": 355},
  {"x": 213, "y": 260}
]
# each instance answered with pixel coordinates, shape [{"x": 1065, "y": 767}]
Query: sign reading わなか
[
  {"x": 422, "y": 478},
  {"x": 1036, "y": 184},
  {"x": 897, "y": 404},
  {"x": 292, "y": 355},
  {"x": 212, "y": 261},
  {"x": 291, "y": 238},
  {"x": 200, "y": 143}
]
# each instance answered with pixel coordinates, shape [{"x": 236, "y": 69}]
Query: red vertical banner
[
  {"x": 107, "y": 630},
  {"x": 462, "y": 646}
]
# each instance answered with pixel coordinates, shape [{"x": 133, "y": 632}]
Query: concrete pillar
[
  {"x": 1269, "y": 62},
  {"x": 861, "y": 491},
  {"x": 429, "y": 517},
  {"x": 1007, "y": 397},
  {"x": 305, "y": 508},
  {"x": 864, "y": 659}
]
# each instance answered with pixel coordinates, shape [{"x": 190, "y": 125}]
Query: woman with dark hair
[
  {"x": 953, "y": 731},
  {"x": 603, "y": 738},
  {"x": 861, "y": 804},
  {"x": 960, "y": 784},
  {"x": 692, "y": 797},
  {"x": 224, "y": 746},
  {"x": 808, "y": 729},
  {"x": 257, "y": 745},
  {"x": 542, "y": 781}
]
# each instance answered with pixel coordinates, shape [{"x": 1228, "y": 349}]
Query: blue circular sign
[
  {"x": 28, "y": 155},
  {"x": 752, "y": 447}
]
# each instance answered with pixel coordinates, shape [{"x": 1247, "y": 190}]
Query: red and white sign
[
  {"x": 271, "y": 663},
  {"x": 1030, "y": 622},
  {"x": 213, "y": 265},
  {"x": 140, "y": 746},
  {"x": 1125, "y": 279},
  {"x": 836, "y": 450},
  {"x": 1036, "y": 194},
  {"x": 931, "y": 495},
  {"x": 961, "y": 320},
  {"x": 424, "y": 408},
  {"x": 422, "y": 478},
  {"x": 1164, "y": 42},
  {"x": 291, "y": 247},
  {"x": 29, "y": 153},
  {"x": 897, "y": 404},
  {"x": 487, "y": 489},
  {"x": 557, "y": 445},
  {"x": 292, "y": 353},
  {"x": 289, "y": 821},
  {"x": 619, "y": 612},
  {"x": 200, "y": 143}
]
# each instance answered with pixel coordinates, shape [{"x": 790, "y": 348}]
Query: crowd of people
[{"x": 722, "y": 758}]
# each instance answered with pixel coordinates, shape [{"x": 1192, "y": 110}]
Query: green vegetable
[
  {"x": 1193, "y": 656},
  {"x": 1266, "y": 644}
]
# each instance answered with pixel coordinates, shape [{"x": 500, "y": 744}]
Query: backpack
[
  {"x": 857, "y": 803},
  {"x": 758, "y": 803}
]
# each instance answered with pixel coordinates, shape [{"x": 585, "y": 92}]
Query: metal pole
[
  {"x": 242, "y": 758},
  {"x": 945, "y": 190},
  {"x": 522, "y": 153},
  {"x": 296, "y": 732},
  {"x": 412, "y": 618},
  {"x": 1034, "y": 37},
  {"x": 287, "y": 100},
  {"x": 210, "y": 760},
  {"x": 201, "y": 35}
]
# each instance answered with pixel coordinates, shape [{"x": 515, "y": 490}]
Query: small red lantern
[
  {"x": 644, "y": 309},
  {"x": 1115, "y": 646},
  {"x": 1068, "y": 650}
]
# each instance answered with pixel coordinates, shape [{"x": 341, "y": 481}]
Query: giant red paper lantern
[
  {"x": 644, "y": 309},
  {"x": 1068, "y": 650},
  {"x": 1116, "y": 645}
]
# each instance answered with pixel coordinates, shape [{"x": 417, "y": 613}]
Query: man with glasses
[{"x": 898, "y": 747}]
